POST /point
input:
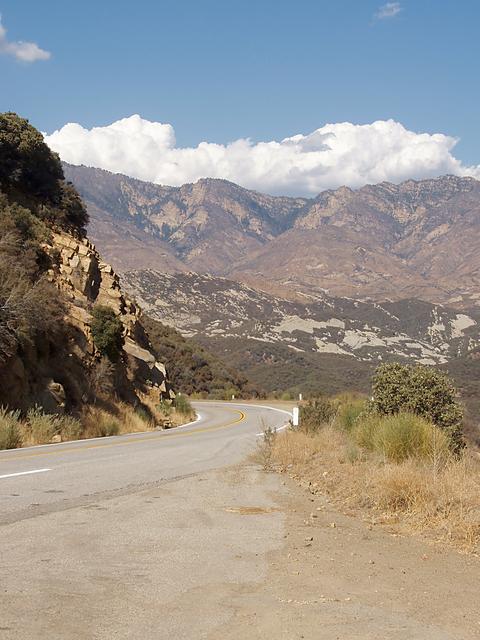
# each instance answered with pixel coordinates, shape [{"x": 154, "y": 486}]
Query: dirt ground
[{"x": 338, "y": 577}]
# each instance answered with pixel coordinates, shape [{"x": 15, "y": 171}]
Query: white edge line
[
  {"x": 188, "y": 424},
  {"x": 258, "y": 406},
  {"x": 285, "y": 426},
  {"x": 23, "y": 473}
]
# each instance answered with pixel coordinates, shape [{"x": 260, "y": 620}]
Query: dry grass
[
  {"x": 441, "y": 500},
  {"x": 122, "y": 418},
  {"x": 10, "y": 434},
  {"x": 107, "y": 418},
  {"x": 98, "y": 423}
]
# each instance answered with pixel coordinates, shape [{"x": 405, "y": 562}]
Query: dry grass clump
[
  {"x": 99, "y": 423},
  {"x": 36, "y": 428},
  {"x": 425, "y": 488},
  {"x": 42, "y": 428},
  {"x": 10, "y": 435},
  {"x": 135, "y": 420},
  {"x": 402, "y": 436},
  {"x": 445, "y": 502}
]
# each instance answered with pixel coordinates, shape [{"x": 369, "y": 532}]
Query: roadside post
[{"x": 295, "y": 417}]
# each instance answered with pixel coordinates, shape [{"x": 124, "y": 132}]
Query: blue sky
[{"x": 263, "y": 69}]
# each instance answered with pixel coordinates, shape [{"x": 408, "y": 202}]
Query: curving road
[{"x": 40, "y": 480}]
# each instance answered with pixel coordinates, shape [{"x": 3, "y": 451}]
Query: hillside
[
  {"x": 383, "y": 242},
  {"x": 69, "y": 336},
  {"x": 328, "y": 343},
  {"x": 192, "y": 369}
]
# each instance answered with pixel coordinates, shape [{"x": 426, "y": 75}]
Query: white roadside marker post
[
  {"x": 300, "y": 397},
  {"x": 295, "y": 417}
]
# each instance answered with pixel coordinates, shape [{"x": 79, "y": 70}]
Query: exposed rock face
[
  {"x": 383, "y": 242},
  {"x": 86, "y": 281}
]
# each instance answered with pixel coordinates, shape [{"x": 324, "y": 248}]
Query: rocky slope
[
  {"x": 60, "y": 379},
  {"x": 253, "y": 330},
  {"x": 383, "y": 242},
  {"x": 52, "y": 280},
  {"x": 204, "y": 225}
]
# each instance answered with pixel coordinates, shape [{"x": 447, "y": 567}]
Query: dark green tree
[
  {"x": 420, "y": 390},
  {"x": 32, "y": 175},
  {"x": 26, "y": 162}
]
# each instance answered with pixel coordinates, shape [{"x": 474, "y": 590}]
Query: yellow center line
[{"x": 125, "y": 441}]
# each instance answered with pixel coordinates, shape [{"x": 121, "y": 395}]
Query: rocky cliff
[
  {"x": 86, "y": 280},
  {"x": 52, "y": 280},
  {"x": 58, "y": 376}
]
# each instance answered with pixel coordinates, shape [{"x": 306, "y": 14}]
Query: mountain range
[
  {"x": 299, "y": 293},
  {"x": 381, "y": 242}
]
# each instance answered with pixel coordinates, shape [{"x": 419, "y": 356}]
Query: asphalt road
[
  {"x": 163, "y": 536},
  {"x": 38, "y": 480}
]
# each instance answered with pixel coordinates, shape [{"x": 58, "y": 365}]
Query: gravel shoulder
[{"x": 227, "y": 554}]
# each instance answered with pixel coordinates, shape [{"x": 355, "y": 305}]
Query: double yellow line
[{"x": 52, "y": 451}]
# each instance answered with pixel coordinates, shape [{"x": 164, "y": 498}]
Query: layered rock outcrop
[{"x": 86, "y": 281}]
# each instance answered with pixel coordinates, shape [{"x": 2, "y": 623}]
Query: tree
[
  {"x": 107, "y": 332},
  {"x": 26, "y": 162},
  {"x": 31, "y": 174},
  {"x": 420, "y": 390}
]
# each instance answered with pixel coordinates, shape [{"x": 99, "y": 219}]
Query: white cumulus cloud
[
  {"x": 389, "y": 10},
  {"x": 23, "y": 51},
  {"x": 334, "y": 155}
]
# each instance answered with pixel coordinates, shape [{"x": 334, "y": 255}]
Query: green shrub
[
  {"x": 183, "y": 406},
  {"x": 107, "y": 331},
  {"x": 316, "y": 413},
  {"x": 10, "y": 434},
  {"x": 165, "y": 408},
  {"x": 348, "y": 413},
  {"x": 401, "y": 436},
  {"x": 420, "y": 390}
]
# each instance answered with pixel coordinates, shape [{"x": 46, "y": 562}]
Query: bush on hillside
[
  {"x": 192, "y": 369},
  {"x": 107, "y": 332},
  {"x": 183, "y": 406},
  {"x": 30, "y": 306},
  {"x": 27, "y": 164},
  {"x": 316, "y": 414},
  {"x": 420, "y": 390}
]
